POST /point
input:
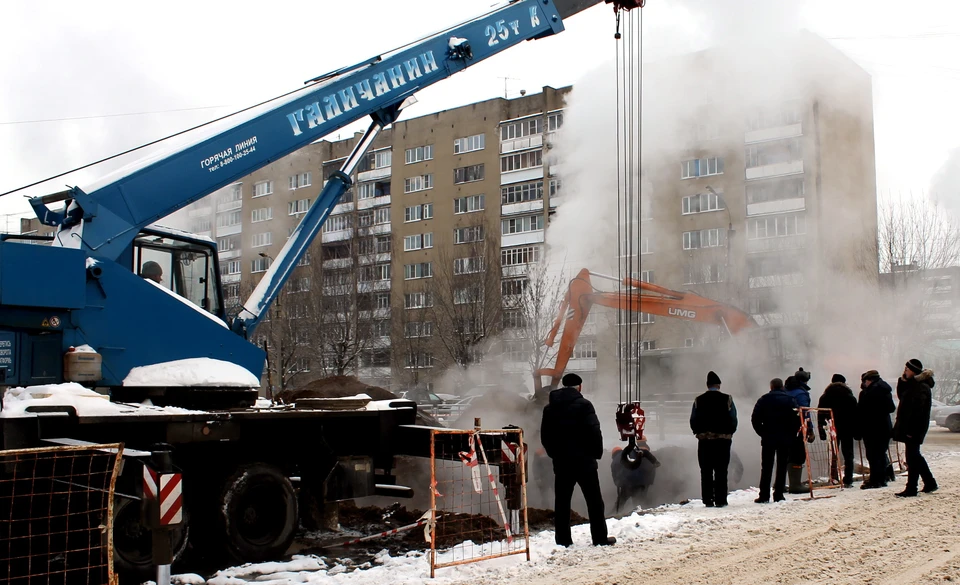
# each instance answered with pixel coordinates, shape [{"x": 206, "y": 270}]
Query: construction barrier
[
  {"x": 478, "y": 496},
  {"x": 823, "y": 458},
  {"x": 57, "y": 520}
]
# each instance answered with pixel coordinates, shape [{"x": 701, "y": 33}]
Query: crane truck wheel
[
  {"x": 259, "y": 515},
  {"x": 133, "y": 543}
]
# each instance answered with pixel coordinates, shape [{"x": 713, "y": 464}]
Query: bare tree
[
  {"x": 414, "y": 345},
  {"x": 530, "y": 305},
  {"x": 920, "y": 234}
]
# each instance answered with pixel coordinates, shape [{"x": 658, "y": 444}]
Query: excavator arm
[{"x": 636, "y": 297}]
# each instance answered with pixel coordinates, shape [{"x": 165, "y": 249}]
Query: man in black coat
[
  {"x": 913, "y": 418},
  {"x": 713, "y": 420},
  {"x": 873, "y": 421},
  {"x": 839, "y": 398},
  {"x": 776, "y": 419},
  {"x": 570, "y": 433}
]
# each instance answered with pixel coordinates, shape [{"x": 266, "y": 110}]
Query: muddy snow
[{"x": 855, "y": 536}]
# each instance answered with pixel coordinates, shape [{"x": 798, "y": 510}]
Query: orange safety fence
[
  {"x": 823, "y": 458},
  {"x": 57, "y": 510},
  {"x": 478, "y": 496}
]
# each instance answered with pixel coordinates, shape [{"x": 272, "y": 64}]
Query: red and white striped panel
[
  {"x": 171, "y": 499},
  {"x": 149, "y": 482}
]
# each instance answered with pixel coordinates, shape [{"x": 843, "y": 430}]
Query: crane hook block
[
  {"x": 626, "y": 4},
  {"x": 630, "y": 420}
]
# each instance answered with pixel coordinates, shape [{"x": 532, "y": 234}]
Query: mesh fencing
[
  {"x": 56, "y": 510},
  {"x": 823, "y": 458},
  {"x": 478, "y": 496}
]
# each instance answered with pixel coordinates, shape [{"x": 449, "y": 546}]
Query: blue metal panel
[
  {"x": 41, "y": 276},
  {"x": 131, "y": 323},
  {"x": 161, "y": 188}
]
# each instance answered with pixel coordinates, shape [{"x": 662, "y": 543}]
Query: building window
[
  {"x": 298, "y": 285},
  {"x": 417, "y": 242},
  {"x": 775, "y": 190},
  {"x": 516, "y": 351},
  {"x": 523, "y": 160},
  {"x": 468, "y": 265},
  {"x": 646, "y": 276},
  {"x": 419, "y": 300},
  {"x": 418, "y": 212},
  {"x": 775, "y": 226},
  {"x": 785, "y": 114},
  {"x": 468, "y": 295},
  {"x": 646, "y": 318},
  {"x": 705, "y": 274},
  {"x": 419, "y": 154},
  {"x": 702, "y": 203},
  {"x": 705, "y": 131},
  {"x": 645, "y": 245},
  {"x": 376, "y": 272},
  {"x": 554, "y": 121},
  {"x": 383, "y": 300},
  {"x": 304, "y": 260},
  {"x": 379, "y": 159},
  {"x": 468, "y": 143},
  {"x": 229, "y": 219},
  {"x": 201, "y": 225},
  {"x": 233, "y": 267},
  {"x": 260, "y": 264},
  {"x": 519, "y": 255},
  {"x": 228, "y": 243},
  {"x": 703, "y": 167},
  {"x": 418, "y": 183},
  {"x": 372, "y": 189},
  {"x": 468, "y": 174},
  {"x": 514, "y": 320},
  {"x": 262, "y": 214},
  {"x": 521, "y": 192},
  {"x": 648, "y": 345},
  {"x": 336, "y": 223},
  {"x": 297, "y": 181},
  {"x": 262, "y": 239},
  {"x": 709, "y": 238},
  {"x": 381, "y": 216},
  {"x": 513, "y": 286},
  {"x": 585, "y": 349},
  {"x": 418, "y": 329},
  {"x": 556, "y": 185},
  {"x": 418, "y": 270},
  {"x": 419, "y": 359},
  {"x": 262, "y": 188},
  {"x": 467, "y": 235},
  {"x": 468, "y": 204},
  {"x": 299, "y": 206},
  {"x": 771, "y": 153},
  {"x": 521, "y": 128},
  {"x": 688, "y": 342},
  {"x": 517, "y": 225},
  {"x": 232, "y": 194}
]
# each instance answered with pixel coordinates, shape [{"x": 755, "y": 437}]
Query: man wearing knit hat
[
  {"x": 873, "y": 414},
  {"x": 713, "y": 420},
  {"x": 913, "y": 418},
  {"x": 840, "y": 405},
  {"x": 570, "y": 433}
]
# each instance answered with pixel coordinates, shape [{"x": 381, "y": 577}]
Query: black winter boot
[
  {"x": 930, "y": 487},
  {"x": 794, "y": 479},
  {"x": 909, "y": 492}
]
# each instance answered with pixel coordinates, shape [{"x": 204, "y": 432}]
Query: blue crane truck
[{"x": 84, "y": 289}]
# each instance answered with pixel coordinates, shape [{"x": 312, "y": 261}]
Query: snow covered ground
[{"x": 854, "y": 537}]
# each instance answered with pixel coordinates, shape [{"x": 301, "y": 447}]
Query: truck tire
[
  {"x": 953, "y": 423},
  {"x": 133, "y": 543},
  {"x": 258, "y": 516}
]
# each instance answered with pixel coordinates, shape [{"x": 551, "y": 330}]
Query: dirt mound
[{"x": 334, "y": 387}]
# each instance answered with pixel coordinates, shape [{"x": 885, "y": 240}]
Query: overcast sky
[{"x": 100, "y": 59}]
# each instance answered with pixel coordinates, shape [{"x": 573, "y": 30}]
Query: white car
[{"x": 946, "y": 416}]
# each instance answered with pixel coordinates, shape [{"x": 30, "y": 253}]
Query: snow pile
[
  {"x": 86, "y": 402},
  {"x": 84, "y": 349},
  {"x": 200, "y": 372}
]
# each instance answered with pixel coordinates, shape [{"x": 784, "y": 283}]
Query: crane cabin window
[{"x": 187, "y": 268}]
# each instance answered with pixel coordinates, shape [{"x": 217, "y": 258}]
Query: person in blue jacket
[
  {"x": 797, "y": 388},
  {"x": 775, "y": 419}
]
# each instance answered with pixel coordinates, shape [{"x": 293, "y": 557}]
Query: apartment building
[{"x": 761, "y": 194}]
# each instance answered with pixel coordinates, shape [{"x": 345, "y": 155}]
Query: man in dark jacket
[
  {"x": 913, "y": 418},
  {"x": 873, "y": 417},
  {"x": 839, "y": 398},
  {"x": 776, "y": 420},
  {"x": 570, "y": 433},
  {"x": 713, "y": 420},
  {"x": 796, "y": 386}
]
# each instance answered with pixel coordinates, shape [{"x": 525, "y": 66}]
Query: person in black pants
[
  {"x": 873, "y": 420},
  {"x": 570, "y": 433},
  {"x": 713, "y": 420},
  {"x": 913, "y": 418},
  {"x": 776, "y": 419},
  {"x": 842, "y": 405}
]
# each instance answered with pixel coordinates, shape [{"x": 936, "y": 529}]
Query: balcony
[
  {"x": 376, "y": 314},
  {"x": 535, "y": 237},
  {"x": 374, "y": 258},
  {"x": 792, "y": 167},
  {"x": 776, "y": 281},
  {"x": 582, "y": 365},
  {"x": 229, "y": 254},
  {"x": 515, "y": 270},
  {"x": 338, "y": 263},
  {"x": 782, "y": 318},
  {"x": 373, "y": 202},
  {"x": 515, "y": 144},
  {"x": 382, "y": 228},
  {"x": 773, "y": 133},
  {"x": 229, "y": 278},
  {"x": 781, "y": 206},
  {"x": 229, "y": 205},
  {"x": 521, "y": 176},
  {"x": 373, "y": 175},
  {"x": 342, "y": 208},
  {"x": 337, "y": 236},
  {"x": 229, "y": 230},
  {"x": 777, "y": 244},
  {"x": 199, "y": 212},
  {"x": 373, "y": 286},
  {"x": 521, "y": 207}
]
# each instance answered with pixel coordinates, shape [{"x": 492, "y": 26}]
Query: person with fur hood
[
  {"x": 913, "y": 418},
  {"x": 839, "y": 398}
]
